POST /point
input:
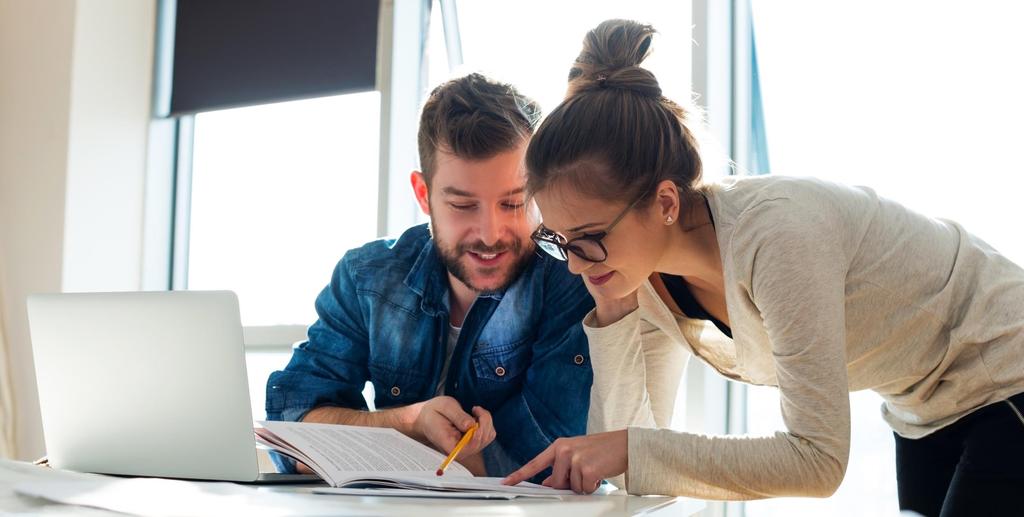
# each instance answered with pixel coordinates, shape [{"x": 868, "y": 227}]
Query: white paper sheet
[{"x": 150, "y": 497}]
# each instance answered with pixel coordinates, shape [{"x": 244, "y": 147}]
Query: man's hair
[{"x": 474, "y": 118}]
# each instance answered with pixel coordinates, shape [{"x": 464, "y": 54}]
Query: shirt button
[
  {"x": 578, "y": 359},
  {"x": 456, "y": 385},
  {"x": 499, "y": 371},
  {"x": 395, "y": 391}
]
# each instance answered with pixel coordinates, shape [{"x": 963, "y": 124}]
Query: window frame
[
  {"x": 400, "y": 81},
  {"x": 723, "y": 83}
]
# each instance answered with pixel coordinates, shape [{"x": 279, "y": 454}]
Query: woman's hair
[{"x": 614, "y": 136}]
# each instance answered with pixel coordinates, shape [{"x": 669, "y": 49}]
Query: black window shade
[{"x": 230, "y": 53}]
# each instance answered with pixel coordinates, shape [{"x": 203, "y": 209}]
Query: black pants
[{"x": 973, "y": 467}]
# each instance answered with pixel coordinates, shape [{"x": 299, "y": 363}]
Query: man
[{"x": 457, "y": 323}]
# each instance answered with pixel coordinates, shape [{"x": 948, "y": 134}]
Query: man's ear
[{"x": 420, "y": 190}]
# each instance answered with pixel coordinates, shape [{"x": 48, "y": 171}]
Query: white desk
[{"x": 291, "y": 500}]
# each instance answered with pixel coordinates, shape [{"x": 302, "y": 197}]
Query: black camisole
[{"x": 681, "y": 294}]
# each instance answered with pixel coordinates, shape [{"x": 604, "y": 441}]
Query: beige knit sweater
[{"x": 829, "y": 289}]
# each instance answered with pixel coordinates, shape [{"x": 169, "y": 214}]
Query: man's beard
[{"x": 451, "y": 255}]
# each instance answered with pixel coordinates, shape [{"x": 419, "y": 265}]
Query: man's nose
[{"x": 491, "y": 223}]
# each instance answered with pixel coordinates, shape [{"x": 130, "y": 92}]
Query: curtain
[{"x": 6, "y": 395}]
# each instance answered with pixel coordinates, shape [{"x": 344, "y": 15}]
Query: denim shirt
[{"x": 521, "y": 354}]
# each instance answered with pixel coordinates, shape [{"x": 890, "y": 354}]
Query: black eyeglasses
[{"x": 587, "y": 247}]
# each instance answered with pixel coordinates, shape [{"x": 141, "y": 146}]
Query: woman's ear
[{"x": 667, "y": 202}]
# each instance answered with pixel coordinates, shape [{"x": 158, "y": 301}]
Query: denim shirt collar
[{"x": 428, "y": 278}]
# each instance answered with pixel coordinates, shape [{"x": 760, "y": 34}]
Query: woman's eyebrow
[{"x": 582, "y": 227}]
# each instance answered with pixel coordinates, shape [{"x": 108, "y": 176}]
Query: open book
[{"x": 356, "y": 459}]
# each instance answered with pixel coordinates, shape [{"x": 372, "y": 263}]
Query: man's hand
[
  {"x": 579, "y": 463},
  {"x": 473, "y": 463},
  {"x": 441, "y": 422}
]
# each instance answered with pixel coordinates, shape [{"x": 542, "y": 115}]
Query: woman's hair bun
[{"x": 611, "y": 57}]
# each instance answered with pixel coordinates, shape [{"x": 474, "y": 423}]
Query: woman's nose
[{"x": 577, "y": 265}]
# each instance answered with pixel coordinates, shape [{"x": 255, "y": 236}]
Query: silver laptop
[{"x": 145, "y": 384}]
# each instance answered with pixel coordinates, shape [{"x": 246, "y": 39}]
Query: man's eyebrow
[{"x": 452, "y": 191}]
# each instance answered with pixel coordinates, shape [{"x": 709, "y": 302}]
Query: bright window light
[
  {"x": 919, "y": 100},
  {"x": 279, "y": 193},
  {"x": 532, "y": 43}
]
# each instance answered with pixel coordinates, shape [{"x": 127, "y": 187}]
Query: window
[
  {"x": 279, "y": 193},
  {"x": 918, "y": 100},
  {"x": 269, "y": 197},
  {"x": 533, "y": 44}
]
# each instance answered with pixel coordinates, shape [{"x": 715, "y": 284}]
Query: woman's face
[{"x": 634, "y": 244}]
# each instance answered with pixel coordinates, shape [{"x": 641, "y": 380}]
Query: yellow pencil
[{"x": 458, "y": 447}]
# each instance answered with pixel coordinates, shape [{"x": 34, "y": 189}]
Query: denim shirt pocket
[
  {"x": 393, "y": 387},
  {"x": 500, "y": 368}
]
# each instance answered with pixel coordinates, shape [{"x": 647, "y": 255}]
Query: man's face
[{"x": 480, "y": 220}]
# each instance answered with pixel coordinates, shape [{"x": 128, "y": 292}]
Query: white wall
[
  {"x": 75, "y": 87},
  {"x": 35, "y": 91},
  {"x": 111, "y": 84}
]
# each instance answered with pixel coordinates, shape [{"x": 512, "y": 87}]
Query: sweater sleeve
[
  {"x": 794, "y": 269},
  {"x": 637, "y": 369}
]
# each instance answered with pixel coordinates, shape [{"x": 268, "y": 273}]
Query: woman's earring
[{"x": 668, "y": 220}]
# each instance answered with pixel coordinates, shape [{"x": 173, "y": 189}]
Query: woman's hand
[
  {"x": 610, "y": 310},
  {"x": 579, "y": 463}
]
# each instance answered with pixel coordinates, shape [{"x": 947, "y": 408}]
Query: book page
[
  {"x": 444, "y": 483},
  {"x": 340, "y": 450},
  {"x": 266, "y": 438},
  {"x": 419, "y": 492}
]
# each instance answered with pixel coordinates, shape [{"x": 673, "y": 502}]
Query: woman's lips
[{"x": 599, "y": 280}]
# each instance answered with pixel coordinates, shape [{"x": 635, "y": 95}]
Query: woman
[{"x": 814, "y": 287}]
